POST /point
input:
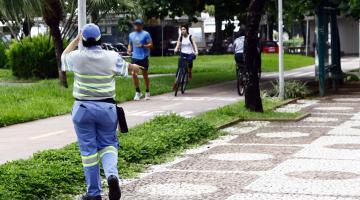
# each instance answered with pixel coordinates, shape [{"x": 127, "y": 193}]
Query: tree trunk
[
  {"x": 271, "y": 27},
  {"x": 59, "y": 48},
  {"x": 303, "y": 30},
  {"x": 253, "y": 100},
  {"x": 27, "y": 24},
  {"x": 53, "y": 13},
  {"x": 217, "y": 46}
]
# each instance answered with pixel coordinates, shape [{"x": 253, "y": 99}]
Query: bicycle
[
  {"x": 182, "y": 77},
  {"x": 241, "y": 78}
]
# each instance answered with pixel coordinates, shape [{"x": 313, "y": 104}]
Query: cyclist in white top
[
  {"x": 239, "y": 47},
  {"x": 187, "y": 47}
]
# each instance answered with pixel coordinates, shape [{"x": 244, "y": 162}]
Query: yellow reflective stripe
[
  {"x": 95, "y": 84},
  {"x": 93, "y": 76},
  {"x": 88, "y": 157},
  {"x": 106, "y": 150},
  {"x": 91, "y": 165},
  {"x": 89, "y": 161},
  {"x": 96, "y": 90},
  {"x": 79, "y": 94}
]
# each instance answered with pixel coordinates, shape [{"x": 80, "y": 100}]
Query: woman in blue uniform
[{"x": 94, "y": 112}]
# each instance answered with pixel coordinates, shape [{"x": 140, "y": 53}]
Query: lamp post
[
  {"x": 81, "y": 17},
  {"x": 281, "y": 53}
]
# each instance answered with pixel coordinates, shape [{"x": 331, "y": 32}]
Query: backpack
[{"x": 191, "y": 41}]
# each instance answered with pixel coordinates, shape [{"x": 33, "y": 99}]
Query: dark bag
[
  {"x": 192, "y": 57},
  {"x": 122, "y": 120}
]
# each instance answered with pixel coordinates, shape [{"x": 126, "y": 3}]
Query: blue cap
[
  {"x": 91, "y": 31},
  {"x": 139, "y": 22}
]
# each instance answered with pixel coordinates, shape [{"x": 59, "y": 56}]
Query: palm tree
[
  {"x": 52, "y": 12},
  {"x": 15, "y": 14}
]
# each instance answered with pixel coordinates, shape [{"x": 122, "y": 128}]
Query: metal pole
[
  {"x": 281, "y": 53},
  {"x": 81, "y": 17},
  {"x": 307, "y": 37},
  {"x": 359, "y": 45}
]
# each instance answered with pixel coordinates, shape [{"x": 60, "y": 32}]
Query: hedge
[
  {"x": 33, "y": 58},
  {"x": 54, "y": 173}
]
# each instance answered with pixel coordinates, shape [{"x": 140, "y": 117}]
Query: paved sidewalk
[
  {"x": 55, "y": 132},
  {"x": 317, "y": 158}
]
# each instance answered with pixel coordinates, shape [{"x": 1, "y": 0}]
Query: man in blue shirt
[{"x": 140, "y": 43}]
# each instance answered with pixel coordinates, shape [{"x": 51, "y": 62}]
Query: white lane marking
[
  {"x": 171, "y": 106},
  {"x": 47, "y": 135},
  {"x": 230, "y": 99},
  {"x": 292, "y": 74},
  {"x": 304, "y": 74}
]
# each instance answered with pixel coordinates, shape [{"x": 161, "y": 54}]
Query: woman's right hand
[{"x": 135, "y": 68}]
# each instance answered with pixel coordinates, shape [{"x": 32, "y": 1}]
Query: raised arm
[
  {"x": 195, "y": 46},
  {"x": 177, "y": 46},
  {"x": 73, "y": 45},
  {"x": 129, "y": 51},
  {"x": 68, "y": 55}
]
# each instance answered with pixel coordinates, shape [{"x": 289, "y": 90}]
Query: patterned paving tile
[
  {"x": 329, "y": 147},
  {"x": 238, "y": 158},
  {"x": 187, "y": 185},
  {"x": 264, "y": 196},
  {"x": 281, "y": 135},
  {"x": 280, "y": 179}
]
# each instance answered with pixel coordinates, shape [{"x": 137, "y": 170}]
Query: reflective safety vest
[{"x": 94, "y": 72}]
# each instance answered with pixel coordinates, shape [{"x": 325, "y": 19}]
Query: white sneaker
[
  {"x": 138, "y": 96},
  {"x": 147, "y": 96}
]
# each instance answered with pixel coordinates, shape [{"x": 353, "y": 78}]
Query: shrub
[
  {"x": 297, "y": 42},
  {"x": 33, "y": 58},
  {"x": 293, "y": 89},
  {"x": 54, "y": 173},
  {"x": 3, "y": 57},
  {"x": 352, "y": 77}
]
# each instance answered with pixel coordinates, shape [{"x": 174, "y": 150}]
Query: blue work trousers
[{"x": 95, "y": 125}]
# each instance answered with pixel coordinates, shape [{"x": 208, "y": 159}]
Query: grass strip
[
  {"x": 226, "y": 63},
  {"x": 238, "y": 112},
  {"x": 27, "y": 102},
  {"x": 57, "y": 174},
  {"x": 22, "y": 101}
]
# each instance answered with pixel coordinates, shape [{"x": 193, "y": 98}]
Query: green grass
[
  {"x": 226, "y": 63},
  {"x": 22, "y": 102},
  {"x": 238, "y": 111},
  {"x": 26, "y": 102},
  {"x": 57, "y": 174},
  {"x": 53, "y": 173}
]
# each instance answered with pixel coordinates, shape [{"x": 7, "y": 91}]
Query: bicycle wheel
[
  {"x": 185, "y": 80},
  {"x": 179, "y": 81},
  {"x": 240, "y": 82}
]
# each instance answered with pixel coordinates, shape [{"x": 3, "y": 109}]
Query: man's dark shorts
[{"x": 143, "y": 63}]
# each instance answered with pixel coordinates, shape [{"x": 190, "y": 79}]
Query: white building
[{"x": 348, "y": 31}]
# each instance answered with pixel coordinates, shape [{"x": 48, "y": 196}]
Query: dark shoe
[
  {"x": 87, "y": 197},
  {"x": 114, "y": 188}
]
